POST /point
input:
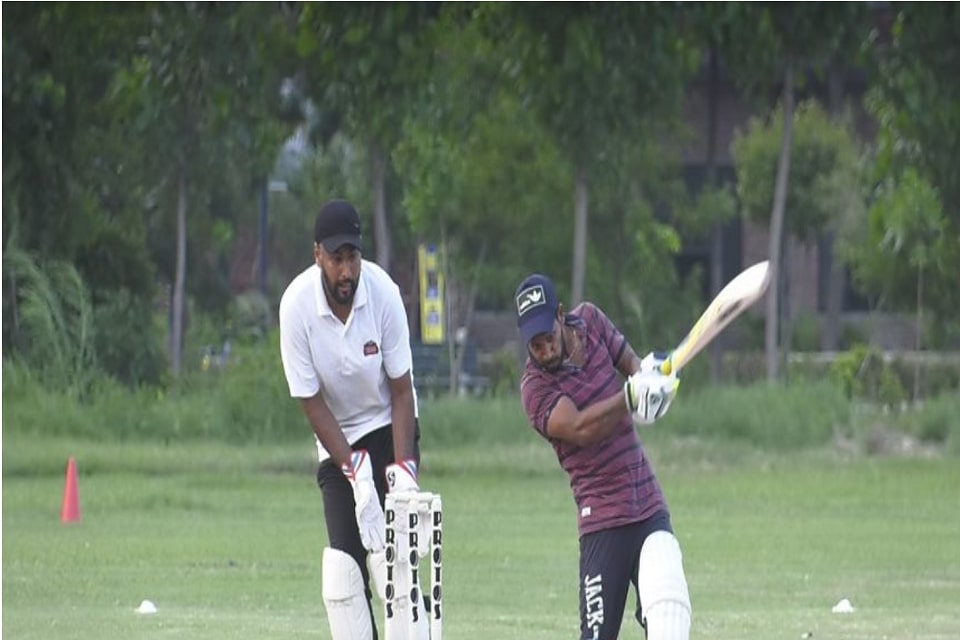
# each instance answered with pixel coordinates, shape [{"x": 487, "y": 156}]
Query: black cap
[
  {"x": 337, "y": 224},
  {"x": 537, "y": 306}
]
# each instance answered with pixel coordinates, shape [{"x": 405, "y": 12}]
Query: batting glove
[
  {"x": 402, "y": 476},
  {"x": 652, "y": 361},
  {"x": 369, "y": 513},
  {"x": 648, "y": 395}
]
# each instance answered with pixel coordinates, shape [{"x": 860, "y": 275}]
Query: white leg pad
[
  {"x": 343, "y": 594},
  {"x": 663, "y": 588}
]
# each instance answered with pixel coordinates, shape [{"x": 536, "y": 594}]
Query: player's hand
[
  {"x": 370, "y": 519},
  {"x": 653, "y": 360},
  {"x": 402, "y": 476},
  {"x": 648, "y": 395}
]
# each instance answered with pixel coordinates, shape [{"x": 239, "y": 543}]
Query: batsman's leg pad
[
  {"x": 662, "y": 585},
  {"x": 343, "y": 595}
]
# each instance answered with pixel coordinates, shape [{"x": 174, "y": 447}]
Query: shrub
[{"x": 766, "y": 415}]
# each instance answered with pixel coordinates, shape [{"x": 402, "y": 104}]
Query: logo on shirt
[
  {"x": 530, "y": 299},
  {"x": 371, "y": 348}
]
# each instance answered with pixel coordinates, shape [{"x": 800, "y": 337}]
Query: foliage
[
  {"x": 128, "y": 342},
  {"x": 50, "y": 318},
  {"x": 489, "y": 111},
  {"x": 862, "y": 373},
  {"x": 474, "y": 193},
  {"x": 906, "y": 254},
  {"x": 915, "y": 223},
  {"x": 821, "y": 150},
  {"x": 763, "y": 415}
]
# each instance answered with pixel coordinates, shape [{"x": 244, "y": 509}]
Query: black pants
[
  {"x": 608, "y": 566},
  {"x": 338, "y": 505}
]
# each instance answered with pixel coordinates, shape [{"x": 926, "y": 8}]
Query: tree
[
  {"x": 68, "y": 196},
  {"x": 825, "y": 185},
  {"x": 364, "y": 61},
  {"x": 915, "y": 99},
  {"x": 908, "y": 238},
  {"x": 577, "y": 67},
  {"x": 789, "y": 40},
  {"x": 200, "y": 94}
]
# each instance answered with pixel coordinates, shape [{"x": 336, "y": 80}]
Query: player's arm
[
  {"x": 629, "y": 361},
  {"x": 593, "y": 424},
  {"x": 402, "y": 415},
  {"x": 327, "y": 428}
]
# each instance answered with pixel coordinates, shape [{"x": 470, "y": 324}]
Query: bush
[
  {"x": 806, "y": 333},
  {"x": 765, "y": 415},
  {"x": 128, "y": 339},
  {"x": 863, "y": 373}
]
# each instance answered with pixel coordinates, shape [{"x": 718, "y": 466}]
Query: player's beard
[
  {"x": 344, "y": 290},
  {"x": 552, "y": 364}
]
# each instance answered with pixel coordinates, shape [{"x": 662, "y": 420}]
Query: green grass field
[{"x": 226, "y": 541}]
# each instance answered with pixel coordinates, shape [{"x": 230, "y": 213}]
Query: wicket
[{"x": 412, "y": 505}]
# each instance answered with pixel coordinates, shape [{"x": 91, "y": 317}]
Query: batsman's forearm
[{"x": 598, "y": 421}]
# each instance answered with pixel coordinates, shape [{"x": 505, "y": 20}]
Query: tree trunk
[
  {"x": 180, "y": 277},
  {"x": 579, "y": 237},
  {"x": 381, "y": 229},
  {"x": 918, "y": 342},
  {"x": 471, "y": 303},
  {"x": 710, "y": 182},
  {"x": 777, "y": 228},
  {"x": 836, "y": 280},
  {"x": 785, "y": 330}
]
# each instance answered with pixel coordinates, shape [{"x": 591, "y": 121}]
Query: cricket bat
[{"x": 735, "y": 298}]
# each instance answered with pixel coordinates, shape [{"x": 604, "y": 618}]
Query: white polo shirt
[{"x": 347, "y": 362}]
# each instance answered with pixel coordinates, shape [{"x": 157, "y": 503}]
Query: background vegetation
[{"x": 162, "y": 160}]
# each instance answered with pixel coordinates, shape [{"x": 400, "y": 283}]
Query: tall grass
[
  {"x": 52, "y": 316},
  {"x": 770, "y": 416},
  {"x": 248, "y": 402}
]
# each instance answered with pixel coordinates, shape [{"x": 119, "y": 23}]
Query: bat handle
[{"x": 666, "y": 366}]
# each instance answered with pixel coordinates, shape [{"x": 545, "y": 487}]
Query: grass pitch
[{"x": 227, "y": 541}]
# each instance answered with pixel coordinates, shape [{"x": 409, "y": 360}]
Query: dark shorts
[
  {"x": 608, "y": 566},
  {"x": 338, "y": 505}
]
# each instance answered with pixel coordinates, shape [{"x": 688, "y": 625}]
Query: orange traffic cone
[{"x": 70, "y": 510}]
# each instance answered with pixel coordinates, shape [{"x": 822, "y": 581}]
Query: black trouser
[
  {"x": 338, "y": 505},
  {"x": 608, "y": 566}
]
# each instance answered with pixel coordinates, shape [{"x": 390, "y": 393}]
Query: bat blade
[{"x": 735, "y": 298}]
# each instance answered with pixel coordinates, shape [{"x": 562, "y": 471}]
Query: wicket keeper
[{"x": 345, "y": 346}]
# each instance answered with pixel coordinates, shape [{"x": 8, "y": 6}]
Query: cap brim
[
  {"x": 335, "y": 242},
  {"x": 537, "y": 324}
]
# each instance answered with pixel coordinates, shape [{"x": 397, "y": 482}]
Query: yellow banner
[{"x": 431, "y": 295}]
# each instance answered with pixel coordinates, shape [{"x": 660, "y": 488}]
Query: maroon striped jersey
[{"x": 613, "y": 483}]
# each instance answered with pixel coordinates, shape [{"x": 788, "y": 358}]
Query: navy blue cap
[
  {"x": 537, "y": 306},
  {"x": 337, "y": 224}
]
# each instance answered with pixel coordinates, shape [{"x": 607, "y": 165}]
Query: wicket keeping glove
[
  {"x": 648, "y": 395},
  {"x": 402, "y": 476},
  {"x": 370, "y": 521}
]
